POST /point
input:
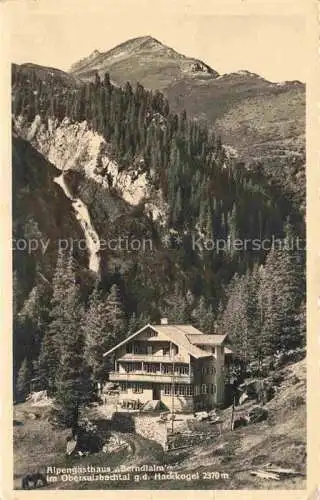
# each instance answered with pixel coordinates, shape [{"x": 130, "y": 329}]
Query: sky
[{"x": 263, "y": 37}]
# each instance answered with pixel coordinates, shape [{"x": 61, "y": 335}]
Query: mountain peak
[
  {"x": 149, "y": 59},
  {"x": 86, "y": 60},
  {"x": 95, "y": 53},
  {"x": 146, "y": 38},
  {"x": 136, "y": 44}
]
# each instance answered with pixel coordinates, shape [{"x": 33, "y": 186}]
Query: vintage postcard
[{"x": 159, "y": 337}]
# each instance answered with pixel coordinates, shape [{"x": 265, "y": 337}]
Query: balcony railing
[
  {"x": 150, "y": 358},
  {"x": 140, "y": 376}
]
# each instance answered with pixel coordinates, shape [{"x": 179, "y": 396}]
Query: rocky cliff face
[
  {"x": 43, "y": 218},
  {"x": 74, "y": 146}
]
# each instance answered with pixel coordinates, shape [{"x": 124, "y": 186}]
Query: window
[
  {"x": 182, "y": 370},
  {"x": 151, "y": 333},
  {"x": 137, "y": 388},
  {"x": 151, "y": 368},
  {"x": 179, "y": 389},
  {"x": 139, "y": 348},
  {"x": 185, "y": 390},
  {"x": 132, "y": 367},
  {"x": 129, "y": 348},
  {"x": 123, "y": 387},
  {"x": 167, "y": 369},
  {"x": 166, "y": 389},
  {"x": 166, "y": 351},
  {"x": 204, "y": 389}
]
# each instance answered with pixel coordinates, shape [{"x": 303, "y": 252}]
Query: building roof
[
  {"x": 185, "y": 336},
  {"x": 188, "y": 329},
  {"x": 179, "y": 335},
  {"x": 227, "y": 350},
  {"x": 207, "y": 339}
]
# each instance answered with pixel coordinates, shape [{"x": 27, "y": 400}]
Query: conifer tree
[
  {"x": 34, "y": 316},
  {"x": 137, "y": 322},
  {"x": 115, "y": 317},
  {"x": 49, "y": 360},
  {"x": 199, "y": 312},
  {"x": 74, "y": 388},
  {"x": 204, "y": 317},
  {"x": 257, "y": 345},
  {"x": 281, "y": 294},
  {"x": 16, "y": 294},
  {"x": 302, "y": 323},
  {"x": 98, "y": 335},
  {"x": 234, "y": 321},
  {"x": 176, "y": 308},
  {"x": 208, "y": 324},
  {"x": 53, "y": 342},
  {"x": 24, "y": 378}
]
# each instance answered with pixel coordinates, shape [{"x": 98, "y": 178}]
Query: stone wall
[
  {"x": 149, "y": 427},
  {"x": 181, "y": 403}
]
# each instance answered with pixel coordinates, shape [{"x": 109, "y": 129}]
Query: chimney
[{"x": 164, "y": 321}]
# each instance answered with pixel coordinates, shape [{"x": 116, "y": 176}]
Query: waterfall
[{"x": 83, "y": 216}]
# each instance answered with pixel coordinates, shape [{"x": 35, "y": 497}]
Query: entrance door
[{"x": 156, "y": 392}]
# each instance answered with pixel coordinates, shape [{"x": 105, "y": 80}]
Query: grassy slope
[{"x": 280, "y": 440}]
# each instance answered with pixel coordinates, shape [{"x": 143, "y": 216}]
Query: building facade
[{"x": 176, "y": 364}]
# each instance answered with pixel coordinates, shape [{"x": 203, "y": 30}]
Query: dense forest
[{"x": 256, "y": 295}]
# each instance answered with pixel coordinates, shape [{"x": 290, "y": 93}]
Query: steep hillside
[
  {"x": 42, "y": 216},
  {"x": 150, "y": 192},
  {"x": 226, "y": 462},
  {"x": 280, "y": 441}
]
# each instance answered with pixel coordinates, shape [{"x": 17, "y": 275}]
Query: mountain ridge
[
  {"x": 244, "y": 108},
  {"x": 131, "y": 45},
  {"x": 150, "y": 42}
]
